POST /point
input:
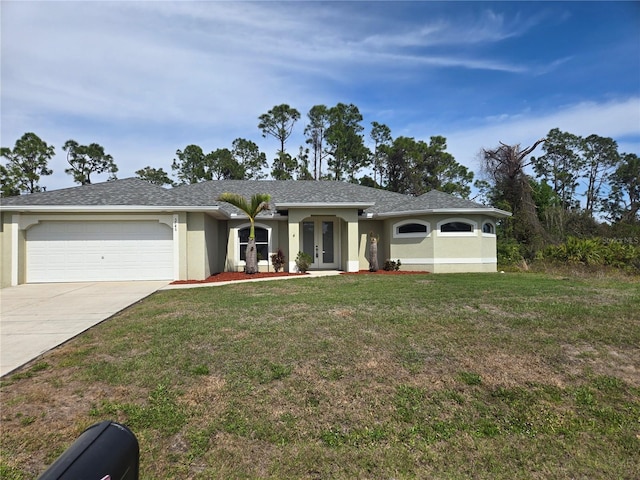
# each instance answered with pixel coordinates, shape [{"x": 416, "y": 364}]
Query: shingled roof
[
  {"x": 134, "y": 192},
  {"x": 128, "y": 191}
]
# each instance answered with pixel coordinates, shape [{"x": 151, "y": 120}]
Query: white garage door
[{"x": 99, "y": 251}]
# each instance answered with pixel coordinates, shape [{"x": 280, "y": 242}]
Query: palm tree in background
[{"x": 259, "y": 202}]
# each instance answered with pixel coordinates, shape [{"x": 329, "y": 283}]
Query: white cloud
[{"x": 618, "y": 119}]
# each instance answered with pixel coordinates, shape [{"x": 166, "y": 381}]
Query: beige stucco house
[{"x": 131, "y": 230}]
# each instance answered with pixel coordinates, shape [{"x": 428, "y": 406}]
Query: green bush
[
  {"x": 391, "y": 266},
  {"x": 303, "y": 261},
  {"x": 509, "y": 252},
  {"x": 593, "y": 252}
]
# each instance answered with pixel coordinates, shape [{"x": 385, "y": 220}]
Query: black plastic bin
[{"x": 104, "y": 451}]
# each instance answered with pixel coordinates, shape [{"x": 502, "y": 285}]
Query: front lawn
[{"x": 355, "y": 376}]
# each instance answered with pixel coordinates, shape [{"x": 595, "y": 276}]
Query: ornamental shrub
[
  {"x": 277, "y": 260},
  {"x": 303, "y": 261}
]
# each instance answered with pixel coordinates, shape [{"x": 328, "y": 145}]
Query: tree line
[
  {"x": 335, "y": 149},
  {"x": 566, "y": 192},
  {"x": 575, "y": 181}
]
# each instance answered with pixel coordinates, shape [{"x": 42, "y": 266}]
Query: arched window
[
  {"x": 451, "y": 227},
  {"x": 411, "y": 229},
  {"x": 488, "y": 228},
  {"x": 262, "y": 243},
  {"x": 457, "y": 227}
]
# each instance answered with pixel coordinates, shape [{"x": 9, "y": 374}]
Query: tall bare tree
[
  {"x": 278, "y": 122},
  {"x": 505, "y": 167},
  {"x": 316, "y": 131}
]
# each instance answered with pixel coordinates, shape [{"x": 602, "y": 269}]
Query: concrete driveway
[{"x": 35, "y": 318}]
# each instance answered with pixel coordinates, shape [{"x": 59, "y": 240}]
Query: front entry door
[{"x": 319, "y": 240}]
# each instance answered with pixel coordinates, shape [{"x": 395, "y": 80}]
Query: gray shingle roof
[
  {"x": 136, "y": 192},
  {"x": 128, "y": 191}
]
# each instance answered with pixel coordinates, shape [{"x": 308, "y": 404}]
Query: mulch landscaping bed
[{"x": 235, "y": 276}]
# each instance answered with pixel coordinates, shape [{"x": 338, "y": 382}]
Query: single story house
[{"x": 132, "y": 230}]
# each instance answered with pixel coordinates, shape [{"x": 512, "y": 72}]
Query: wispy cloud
[{"x": 618, "y": 119}]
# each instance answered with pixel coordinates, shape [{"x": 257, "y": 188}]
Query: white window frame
[
  {"x": 493, "y": 229},
  {"x": 397, "y": 234},
  {"x": 265, "y": 261},
  {"x": 472, "y": 233}
]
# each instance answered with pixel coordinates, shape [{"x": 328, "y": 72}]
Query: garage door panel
[{"x": 99, "y": 251}]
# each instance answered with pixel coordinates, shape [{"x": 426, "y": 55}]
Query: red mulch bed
[{"x": 235, "y": 276}]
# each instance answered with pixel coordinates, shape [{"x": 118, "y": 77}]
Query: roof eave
[
  {"x": 359, "y": 205},
  {"x": 495, "y": 212},
  {"x": 104, "y": 208}
]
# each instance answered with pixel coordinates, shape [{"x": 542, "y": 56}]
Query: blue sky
[{"x": 144, "y": 78}]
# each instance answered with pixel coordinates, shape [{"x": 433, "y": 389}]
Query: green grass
[{"x": 413, "y": 376}]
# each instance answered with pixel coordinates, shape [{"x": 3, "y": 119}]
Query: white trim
[
  {"x": 175, "y": 228},
  {"x": 472, "y": 233},
  {"x": 353, "y": 266},
  {"x": 106, "y": 208},
  {"x": 236, "y": 239},
  {"x": 444, "y": 261},
  {"x": 28, "y": 220},
  {"x": 397, "y": 225},
  {"x": 493, "y": 227},
  {"x": 15, "y": 229},
  {"x": 460, "y": 211},
  {"x": 362, "y": 205}
]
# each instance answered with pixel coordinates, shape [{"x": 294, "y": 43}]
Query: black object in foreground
[{"x": 104, "y": 451}]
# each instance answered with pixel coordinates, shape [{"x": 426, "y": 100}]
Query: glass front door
[{"x": 319, "y": 241}]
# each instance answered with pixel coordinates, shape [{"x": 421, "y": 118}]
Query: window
[
  {"x": 411, "y": 229},
  {"x": 488, "y": 228},
  {"x": 262, "y": 242},
  {"x": 456, "y": 227}
]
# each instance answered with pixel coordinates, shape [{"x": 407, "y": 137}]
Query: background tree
[
  {"x": 302, "y": 160},
  {"x": 278, "y": 122},
  {"x": 284, "y": 167},
  {"x": 381, "y": 136},
  {"x": 259, "y": 202},
  {"x": 221, "y": 164},
  {"x": 624, "y": 200},
  {"x": 345, "y": 142},
  {"x": 190, "y": 166},
  {"x": 402, "y": 156},
  {"x": 247, "y": 154},
  {"x": 600, "y": 156},
  {"x": 561, "y": 166},
  {"x": 8, "y": 186},
  {"x": 440, "y": 171},
  {"x": 415, "y": 167},
  {"x": 85, "y": 160},
  {"x": 26, "y": 163},
  {"x": 155, "y": 176},
  {"x": 315, "y": 131},
  {"x": 505, "y": 169}
]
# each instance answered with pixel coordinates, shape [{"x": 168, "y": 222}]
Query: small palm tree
[{"x": 259, "y": 202}]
